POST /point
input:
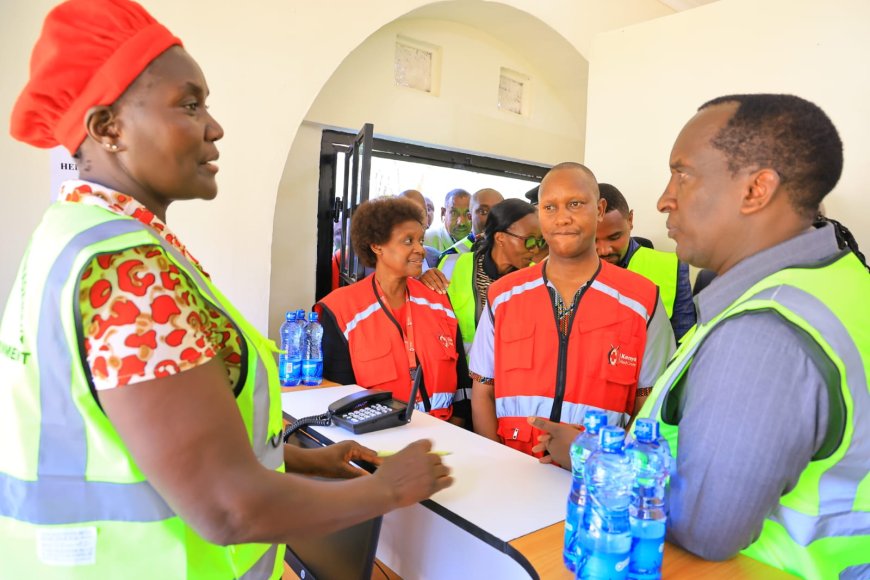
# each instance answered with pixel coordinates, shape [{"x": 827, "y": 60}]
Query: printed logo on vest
[
  {"x": 446, "y": 341},
  {"x": 614, "y": 357}
]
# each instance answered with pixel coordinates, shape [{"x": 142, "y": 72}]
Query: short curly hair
[
  {"x": 373, "y": 223},
  {"x": 788, "y": 134}
]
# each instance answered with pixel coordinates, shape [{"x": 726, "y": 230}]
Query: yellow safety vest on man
[
  {"x": 74, "y": 504},
  {"x": 822, "y": 526},
  {"x": 662, "y": 269}
]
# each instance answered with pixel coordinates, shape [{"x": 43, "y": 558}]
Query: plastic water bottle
[
  {"x": 582, "y": 447},
  {"x": 284, "y": 367},
  {"x": 312, "y": 358},
  {"x": 300, "y": 320},
  {"x": 290, "y": 359},
  {"x": 650, "y": 460},
  {"x": 606, "y": 528}
]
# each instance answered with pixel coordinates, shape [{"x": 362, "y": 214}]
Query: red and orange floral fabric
[{"x": 143, "y": 319}]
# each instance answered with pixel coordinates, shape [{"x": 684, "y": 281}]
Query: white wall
[
  {"x": 647, "y": 80},
  {"x": 264, "y": 70}
]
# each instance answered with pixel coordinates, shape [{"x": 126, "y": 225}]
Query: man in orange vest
[{"x": 570, "y": 333}]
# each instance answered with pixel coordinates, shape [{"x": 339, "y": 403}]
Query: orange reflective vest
[
  {"x": 377, "y": 347},
  {"x": 540, "y": 373}
]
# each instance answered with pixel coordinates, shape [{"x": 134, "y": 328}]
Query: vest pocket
[
  {"x": 620, "y": 372},
  {"x": 516, "y": 433},
  {"x": 373, "y": 363},
  {"x": 516, "y": 347}
]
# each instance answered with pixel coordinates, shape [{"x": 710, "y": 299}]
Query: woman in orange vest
[{"x": 382, "y": 330}]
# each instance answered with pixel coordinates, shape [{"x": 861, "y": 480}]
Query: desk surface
[{"x": 533, "y": 534}]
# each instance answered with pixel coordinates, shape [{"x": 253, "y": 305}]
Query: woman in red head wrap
[{"x": 143, "y": 414}]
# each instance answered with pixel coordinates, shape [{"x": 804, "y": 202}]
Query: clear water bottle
[
  {"x": 290, "y": 359},
  {"x": 284, "y": 356},
  {"x": 582, "y": 447},
  {"x": 312, "y": 358},
  {"x": 650, "y": 460},
  {"x": 300, "y": 320},
  {"x": 606, "y": 536}
]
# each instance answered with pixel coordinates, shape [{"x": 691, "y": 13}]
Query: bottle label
[{"x": 312, "y": 371}]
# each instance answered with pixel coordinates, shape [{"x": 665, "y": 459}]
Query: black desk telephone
[{"x": 365, "y": 411}]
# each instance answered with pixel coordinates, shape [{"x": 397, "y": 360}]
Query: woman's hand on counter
[
  {"x": 330, "y": 461},
  {"x": 414, "y": 474}
]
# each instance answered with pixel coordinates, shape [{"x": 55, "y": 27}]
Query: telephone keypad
[{"x": 365, "y": 413}]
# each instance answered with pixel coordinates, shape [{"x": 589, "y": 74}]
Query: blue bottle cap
[
  {"x": 593, "y": 420},
  {"x": 300, "y": 314},
  {"x": 611, "y": 438},
  {"x": 291, "y": 315},
  {"x": 646, "y": 430},
  {"x": 312, "y": 316}
]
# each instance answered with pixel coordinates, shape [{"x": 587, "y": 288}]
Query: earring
[{"x": 111, "y": 147}]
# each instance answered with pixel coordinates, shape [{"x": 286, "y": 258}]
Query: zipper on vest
[{"x": 562, "y": 359}]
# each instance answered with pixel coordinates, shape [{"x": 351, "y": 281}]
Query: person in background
[
  {"x": 532, "y": 195},
  {"x": 378, "y": 332},
  {"x": 766, "y": 405},
  {"x": 512, "y": 241},
  {"x": 615, "y": 245},
  {"x": 336, "y": 254},
  {"x": 482, "y": 202},
  {"x": 603, "y": 346},
  {"x": 432, "y": 255},
  {"x": 142, "y": 413},
  {"x": 430, "y": 212},
  {"x": 455, "y": 221},
  {"x": 429, "y": 261}
]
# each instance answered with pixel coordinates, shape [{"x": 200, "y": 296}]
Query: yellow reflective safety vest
[
  {"x": 73, "y": 503},
  {"x": 463, "y": 296},
  {"x": 660, "y": 267},
  {"x": 821, "y": 527}
]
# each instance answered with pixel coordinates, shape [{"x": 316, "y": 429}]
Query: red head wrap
[{"x": 89, "y": 52}]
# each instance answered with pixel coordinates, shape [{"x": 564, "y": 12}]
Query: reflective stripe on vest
[
  {"x": 448, "y": 264},
  {"x": 662, "y": 268},
  {"x": 630, "y": 303},
  {"x": 434, "y": 306},
  {"x": 63, "y": 452},
  {"x": 538, "y": 406},
  {"x": 437, "y": 400},
  {"x": 822, "y": 526},
  {"x": 516, "y": 291}
]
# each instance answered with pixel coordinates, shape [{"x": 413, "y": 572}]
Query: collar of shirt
[
  {"x": 811, "y": 246},
  {"x": 86, "y": 192},
  {"x": 563, "y": 310},
  {"x": 632, "y": 248}
]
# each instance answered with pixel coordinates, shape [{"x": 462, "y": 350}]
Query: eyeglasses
[{"x": 529, "y": 241}]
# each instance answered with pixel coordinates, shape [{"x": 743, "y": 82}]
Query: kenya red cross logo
[{"x": 613, "y": 355}]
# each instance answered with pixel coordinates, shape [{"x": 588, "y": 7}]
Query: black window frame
[{"x": 329, "y": 203}]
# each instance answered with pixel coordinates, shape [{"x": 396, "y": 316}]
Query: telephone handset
[{"x": 365, "y": 411}]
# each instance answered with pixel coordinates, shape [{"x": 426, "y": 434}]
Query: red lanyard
[{"x": 408, "y": 334}]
